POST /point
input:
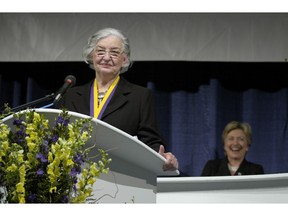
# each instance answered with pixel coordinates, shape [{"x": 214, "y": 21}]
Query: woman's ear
[{"x": 125, "y": 61}]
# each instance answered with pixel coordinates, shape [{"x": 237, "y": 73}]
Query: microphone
[{"x": 69, "y": 81}]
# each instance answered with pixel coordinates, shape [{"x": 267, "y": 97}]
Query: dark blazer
[
  {"x": 131, "y": 109},
  {"x": 219, "y": 167}
]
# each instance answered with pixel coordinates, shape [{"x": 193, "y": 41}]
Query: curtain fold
[
  {"x": 196, "y": 120},
  {"x": 193, "y": 107}
]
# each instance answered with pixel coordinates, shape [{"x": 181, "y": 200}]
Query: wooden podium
[{"x": 134, "y": 167}]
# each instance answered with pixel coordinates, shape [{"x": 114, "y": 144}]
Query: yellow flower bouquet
[{"x": 44, "y": 162}]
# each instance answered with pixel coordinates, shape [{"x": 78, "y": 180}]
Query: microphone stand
[{"x": 33, "y": 103}]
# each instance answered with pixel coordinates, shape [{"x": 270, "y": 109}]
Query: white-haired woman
[{"x": 113, "y": 99}]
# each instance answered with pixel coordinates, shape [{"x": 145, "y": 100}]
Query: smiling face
[
  {"x": 236, "y": 144},
  {"x": 108, "y": 56}
]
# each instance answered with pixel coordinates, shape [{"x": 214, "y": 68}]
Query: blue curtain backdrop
[{"x": 194, "y": 101}]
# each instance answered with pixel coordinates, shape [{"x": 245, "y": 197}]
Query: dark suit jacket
[
  {"x": 219, "y": 167},
  {"x": 131, "y": 109}
]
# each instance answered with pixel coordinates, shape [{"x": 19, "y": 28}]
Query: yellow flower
[
  {"x": 88, "y": 192},
  {"x": 81, "y": 183},
  {"x": 37, "y": 116},
  {"x": 84, "y": 135},
  {"x": 5, "y": 145},
  {"x": 91, "y": 181},
  {"x": 12, "y": 168},
  {"x": 31, "y": 145},
  {"x": 84, "y": 173},
  {"x": 53, "y": 189},
  {"x": 22, "y": 199},
  {"x": 22, "y": 171},
  {"x": 50, "y": 157},
  {"x": 94, "y": 170},
  {"x": 69, "y": 162},
  {"x": 20, "y": 188}
]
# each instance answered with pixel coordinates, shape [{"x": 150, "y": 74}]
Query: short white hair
[{"x": 103, "y": 33}]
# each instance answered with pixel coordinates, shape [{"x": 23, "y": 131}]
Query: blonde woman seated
[{"x": 237, "y": 138}]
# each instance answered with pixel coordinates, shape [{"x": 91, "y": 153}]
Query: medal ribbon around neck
[{"x": 95, "y": 110}]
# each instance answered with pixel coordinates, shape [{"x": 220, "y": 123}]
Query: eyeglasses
[
  {"x": 114, "y": 53},
  {"x": 239, "y": 139}
]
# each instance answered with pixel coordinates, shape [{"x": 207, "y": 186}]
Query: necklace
[
  {"x": 101, "y": 96},
  {"x": 232, "y": 168}
]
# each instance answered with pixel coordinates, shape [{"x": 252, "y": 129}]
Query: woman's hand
[{"x": 171, "y": 161}]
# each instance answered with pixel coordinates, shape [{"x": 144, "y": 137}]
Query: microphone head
[{"x": 70, "y": 79}]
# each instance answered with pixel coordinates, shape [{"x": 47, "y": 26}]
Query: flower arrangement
[{"x": 42, "y": 162}]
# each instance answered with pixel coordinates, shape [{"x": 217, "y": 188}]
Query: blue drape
[
  {"x": 192, "y": 107},
  {"x": 196, "y": 120}
]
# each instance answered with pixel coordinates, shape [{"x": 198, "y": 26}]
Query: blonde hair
[{"x": 233, "y": 125}]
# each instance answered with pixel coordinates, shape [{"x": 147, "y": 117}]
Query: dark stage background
[{"x": 194, "y": 101}]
